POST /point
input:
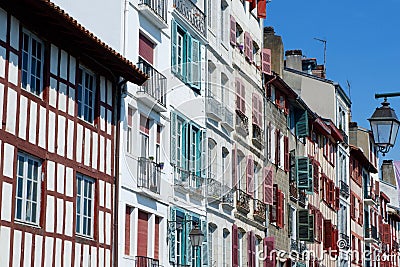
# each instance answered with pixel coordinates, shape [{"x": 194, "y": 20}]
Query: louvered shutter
[
  {"x": 249, "y": 249},
  {"x": 268, "y": 185},
  {"x": 238, "y": 94},
  {"x": 253, "y": 249},
  {"x": 234, "y": 166},
  {"x": 262, "y": 9},
  {"x": 281, "y": 209},
  {"x": 274, "y": 207},
  {"x": 319, "y": 221},
  {"x": 269, "y": 140},
  {"x": 335, "y": 238},
  {"x": 247, "y": 41},
  {"x": 260, "y": 110},
  {"x": 302, "y": 124},
  {"x": 250, "y": 49},
  {"x": 327, "y": 234},
  {"x": 250, "y": 175},
  {"x": 255, "y": 109},
  {"x": 195, "y": 64},
  {"x": 352, "y": 206},
  {"x": 311, "y": 227},
  {"x": 380, "y": 230},
  {"x": 316, "y": 176},
  {"x": 146, "y": 48},
  {"x": 337, "y": 198},
  {"x": 386, "y": 234},
  {"x": 242, "y": 97},
  {"x": 235, "y": 246},
  {"x": 269, "y": 254},
  {"x": 266, "y": 61},
  {"x": 204, "y": 246},
  {"x": 302, "y": 172},
  {"x": 233, "y": 31},
  {"x": 310, "y": 188},
  {"x": 188, "y": 245},
  {"x": 286, "y": 152},
  {"x": 303, "y": 231},
  {"x": 172, "y": 236},
  {"x": 187, "y": 70},
  {"x": 174, "y": 47},
  {"x": 174, "y": 145},
  {"x": 277, "y": 147},
  {"x": 361, "y": 212}
]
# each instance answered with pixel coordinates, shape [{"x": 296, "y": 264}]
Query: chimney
[
  {"x": 274, "y": 42},
  {"x": 294, "y": 59}
]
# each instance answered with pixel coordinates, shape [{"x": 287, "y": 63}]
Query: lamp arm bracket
[{"x": 386, "y": 95}]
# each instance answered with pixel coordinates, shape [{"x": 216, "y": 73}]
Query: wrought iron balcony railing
[
  {"x": 227, "y": 120},
  {"x": 227, "y": 196},
  {"x": 260, "y": 210},
  {"x": 344, "y": 189},
  {"x": 192, "y": 14},
  {"x": 159, "y": 7},
  {"x": 214, "y": 189},
  {"x": 146, "y": 262},
  {"x": 213, "y": 108},
  {"x": 302, "y": 198},
  {"x": 294, "y": 246},
  {"x": 293, "y": 191},
  {"x": 156, "y": 85},
  {"x": 149, "y": 175},
  {"x": 258, "y": 136},
  {"x": 189, "y": 180},
  {"x": 371, "y": 233},
  {"x": 242, "y": 201},
  {"x": 242, "y": 123}
]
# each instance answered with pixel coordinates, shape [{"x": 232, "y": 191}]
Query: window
[
  {"x": 212, "y": 245},
  {"x": 144, "y": 136},
  {"x": 212, "y": 161},
  {"x": 86, "y": 95},
  {"x": 129, "y": 131},
  {"x": 240, "y": 248},
  {"x": 28, "y": 189},
  {"x": 185, "y": 56},
  {"x": 225, "y": 162},
  {"x": 224, "y": 6},
  {"x": 84, "y": 205},
  {"x": 32, "y": 63},
  {"x": 225, "y": 248}
]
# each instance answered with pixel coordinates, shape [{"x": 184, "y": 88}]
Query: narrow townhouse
[
  {"x": 60, "y": 90},
  {"x": 365, "y": 200}
]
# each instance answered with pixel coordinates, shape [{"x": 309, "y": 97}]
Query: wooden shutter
[
  {"x": 377, "y": 191},
  {"x": 262, "y": 9},
  {"x": 247, "y": 45},
  {"x": 253, "y": 249},
  {"x": 234, "y": 166},
  {"x": 277, "y": 147},
  {"x": 361, "y": 212},
  {"x": 311, "y": 227},
  {"x": 157, "y": 238},
  {"x": 255, "y": 109},
  {"x": 235, "y": 246},
  {"x": 302, "y": 124},
  {"x": 204, "y": 247},
  {"x": 195, "y": 64},
  {"x": 268, "y": 185},
  {"x": 250, "y": 175},
  {"x": 143, "y": 224},
  {"x": 146, "y": 48},
  {"x": 281, "y": 209},
  {"x": 266, "y": 61},
  {"x": 327, "y": 234},
  {"x": 315, "y": 176},
  {"x": 269, "y": 254},
  {"x": 337, "y": 198},
  {"x": 352, "y": 206},
  {"x": 286, "y": 152},
  {"x": 249, "y": 248},
  {"x": 251, "y": 49},
  {"x": 242, "y": 97},
  {"x": 302, "y": 172},
  {"x": 335, "y": 238},
  {"x": 320, "y": 221},
  {"x": 233, "y": 31},
  {"x": 174, "y": 46},
  {"x": 127, "y": 230},
  {"x": 386, "y": 234},
  {"x": 303, "y": 225},
  {"x": 274, "y": 208},
  {"x": 238, "y": 92},
  {"x": 187, "y": 71},
  {"x": 310, "y": 188}
]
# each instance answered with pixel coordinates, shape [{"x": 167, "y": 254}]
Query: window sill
[
  {"x": 33, "y": 225},
  {"x": 84, "y": 237},
  {"x": 128, "y": 257},
  {"x": 39, "y": 97}
]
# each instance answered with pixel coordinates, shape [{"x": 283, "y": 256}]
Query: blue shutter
[
  {"x": 187, "y": 73},
  {"x": 174, "y": 145},
  {"x": 204, "y": 247},
  {"x": 187, "y": 245},
  {"x": 302, "y": 124},
  {"x": 302, "y": 172},
  {"x": 173, "y": 46},
  {"x": 172, "y": 235},
  {"x": 195, "y": 65}
]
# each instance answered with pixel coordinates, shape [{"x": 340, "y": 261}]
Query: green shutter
[
  {"x": 311, "y": 223},
  {"x": 302, "y": 172},
  {"x": 303, "y": 229},
  {"x": 172, "y": 235},
  {"x": 204, "y": 247},
  {"x": 310, "y": 189},
  {"x": 302, "y": 124},
  {"x": 174, "y": 145},
  {"x": 174, "y": 47},
  {"x": 195, "y": 64},
  {"x": 187, "y": 72}
]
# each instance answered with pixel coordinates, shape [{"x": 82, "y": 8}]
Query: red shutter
[
  {"x": 269, "y": 140},
  {"x": 235, "y": 246},
  {"x": 352, "y": 206},
  {"x": 146, "y": 48},
  {"x": 337, "y": 198},
  {"x": 286, "y": 151},
  {"x": 255, "y": 109},
  {"x": 127, "y": 230},
  {"x": 260, "y": 110},
  {"x": 266, "y": 61},
  {"x": 268, "y": 185},
  {"x": 280, "y": 209},
  {"x": 253, "y": 248},
  {"x": 158, "y": 134},
  {"x": 247, "y": 46},
  {"x": 361, "y": 213},
  {"x": 234, "y": 166},
  {"x": 250, "y": 49},
  {"x": 262, "y": 9},
  {"x": 335, "y": 238},
  {"x": 380, "y": 230},
  {"x": 377, "y": 193},
  {"x": 327, "y": 234},
  {"x": 273, "y": 210},
  {"x": 242, "y": 97},
  {"x": 233, "y": 31},
  {"x": 250, "y": 175},
  {"x": 238, "y": 93},
  {"x": 249, "y": 249},
  {"x": 142, "y": 233},
  {"x": 157, "y": 238},
  {"x": 269, "y": 254},
  {"x": 253, "y": 4},
  {"x": 386, "y": 234},
  {"x": 319, "y": 225}
]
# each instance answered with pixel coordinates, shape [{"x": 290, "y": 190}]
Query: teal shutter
[
  {"x": 174, "y": 144},
  {"x": 204, "y": 247},
  {"x": 310, "y": 189},
  {"x": 302, "y": 124},
  {"x": 172, "y": 235},
  {"x": 303, "y": 229},
  {"x": 302, "y": 172},
  {"x": 184, "y": 154},
  {"x": 187, "y": 245},
  {"x": 196, "y": 69},
  {"x": 187, "y": 73},
  {"x": 174, "y": 47}
]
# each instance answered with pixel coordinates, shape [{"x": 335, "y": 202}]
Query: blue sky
[{"x": 363, "y": 46}]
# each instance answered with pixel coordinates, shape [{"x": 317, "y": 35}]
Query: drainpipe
[{"x": 118, "y": 107}]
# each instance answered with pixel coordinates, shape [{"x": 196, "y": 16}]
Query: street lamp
[
  {"x": 384, "y": 125},
  {"x": 196, "y": 237}
]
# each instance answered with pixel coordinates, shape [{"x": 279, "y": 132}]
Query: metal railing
[
  {"x": 242, "y": 123},
  {"x": 227, "y": 197},
  {"x": 293, "y": 191},
  {"x": 258, "y": 136},
  {"x": 228, "y": 117},
  {"x": 146, "y": 262},
  {"x": 302, "y": 198},
  {"x": 159, "y": 7},
  {"x": 294, "y": 246},
  {"x": 213, "y": 107},
  {"x": 149, "y": 175},
  {"x": 260, "y": 210},
  {"x": 189, "y": 180},
  {"x": 192, "y": 14},
  {"x": 371, "y": 232},
  {"x": 242, "y": 201},
  {"x": 156, "y": 85},
  {"x": 344, "y": 189},
  {"x": 214, "y": 188}
]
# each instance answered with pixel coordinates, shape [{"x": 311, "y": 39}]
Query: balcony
[
  {"x": 227, "y": 119},
  {"x": 371, "y": 235},
  {"x": 369, "y": 196},
  {"x": 189, "y": 180},
  {"x": 294, "y": 246},
  {"x": 344, "y": 189},
  {"x": 302, "y": 247},
  {"x": 346, "y": 239},
  {"x": 153, "y": 91},
  {"x": 242, "y": 123},
  {"x": 149, "y": 175},
  {"x": 293, "y": 191},
  {"x": 242, "y": 201},
  {"x": 146, "y": 262},
  {"x": 192, "y": 14},
  {"x": 302, "y": 199},
  {"x": 214, "y": 190},
  {"x": 258, "y": 137},
  {"x": 213, "y": 108},
  {"x": 155, "y": 11},
  {"x": 227, "y": 196},
  {"x": 260, "y": 211}
]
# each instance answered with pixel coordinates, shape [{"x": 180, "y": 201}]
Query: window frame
[
  {"x": 80, "y": 193},
  {"x": 83, "y": 71},
  {"x": 24, "y": 199}
]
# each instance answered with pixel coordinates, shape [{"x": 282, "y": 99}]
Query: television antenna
[{"x": 324, "y": 42}]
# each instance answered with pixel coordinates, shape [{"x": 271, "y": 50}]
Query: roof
[
  {"x": 359, "y": 154},
  {"x": 278, "y": 82},
  {"x": 57, "y": 26}
]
